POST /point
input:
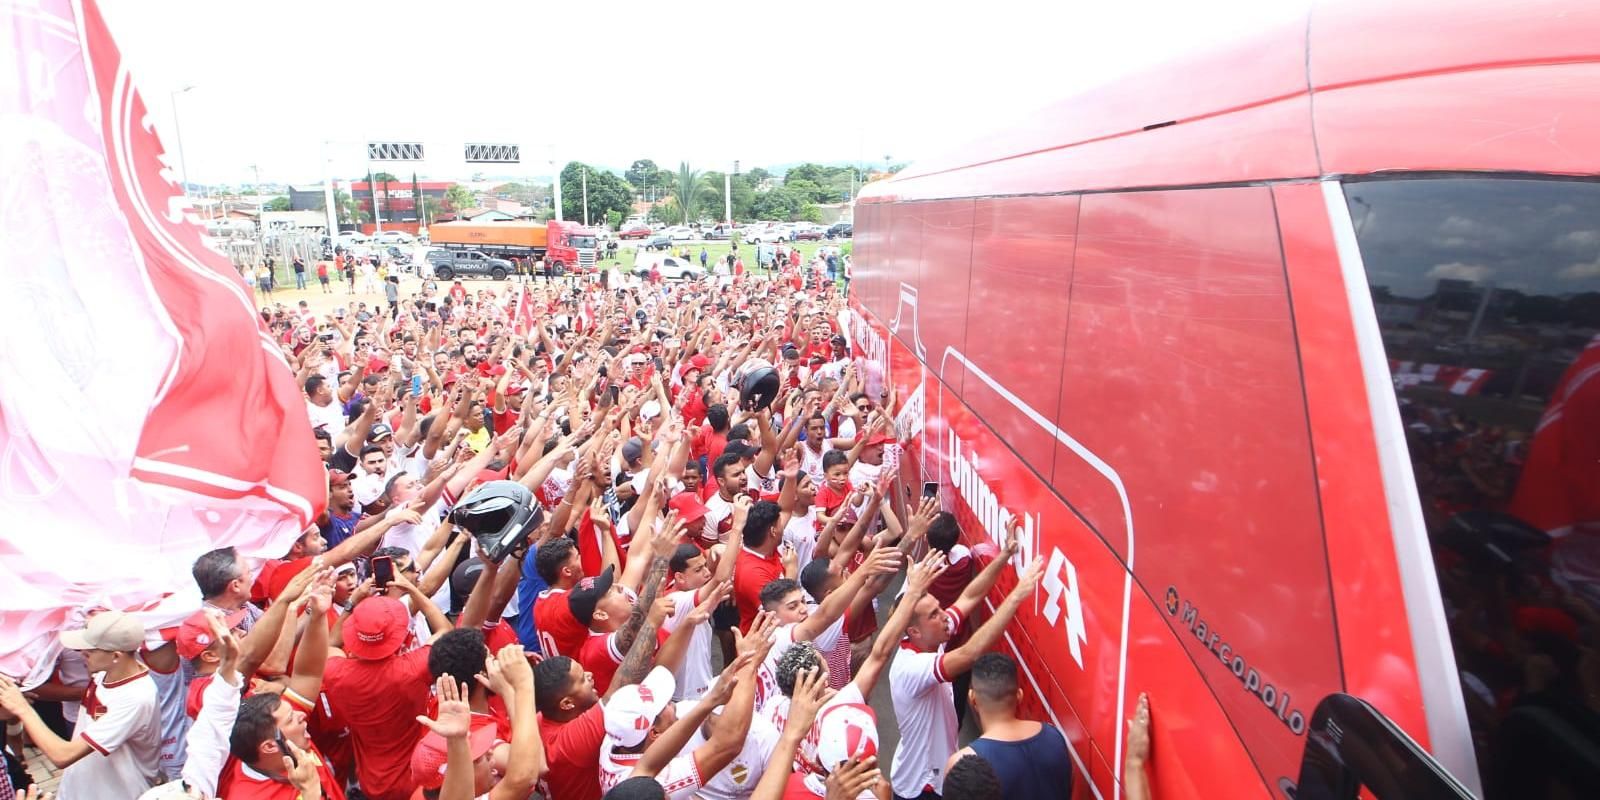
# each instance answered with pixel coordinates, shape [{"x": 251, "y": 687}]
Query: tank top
[{"x": 1035, "y": 767}]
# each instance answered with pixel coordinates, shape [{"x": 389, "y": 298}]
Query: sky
[{"x": 295, "y": 88}]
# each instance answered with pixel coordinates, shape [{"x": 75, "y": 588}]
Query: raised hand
[
  {"x": 660, "y": 610},
  {"x": 852, "y": 779},
  {"x": 924, "y": 573},
  {"x": 11, "y": 697},
  {"x": 811, "y": 693},
  {"x": 702, "y": 612},
  {"x": 455, "y": 716},
  {"x": 1138, "y": 750},
  {"x": 300, "y": 582},
  {"x": 883, "y": 561},
  {"x": 923, "y": 518},
  {"x": 493, "y": 678},
  {"x": 301, "y": 769}
]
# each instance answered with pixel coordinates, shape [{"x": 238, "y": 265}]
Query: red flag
[{"x": 150, "y": 417}]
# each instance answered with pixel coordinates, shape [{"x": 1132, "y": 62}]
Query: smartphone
[
  {"x": 382, "y": 571},
  {"x": 416, "y": 384},
  {"x": 283, "y": 747},
  {"x": 930, "y": 488},
  {"x": 326, "y": 337}
]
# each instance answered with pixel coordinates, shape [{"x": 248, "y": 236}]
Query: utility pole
[
  {"x": 585, "y": 197},
  {"x": 727, "y": 195},
  {"x": 327, "y": 193},
  {"x": 557, "y": 188}
]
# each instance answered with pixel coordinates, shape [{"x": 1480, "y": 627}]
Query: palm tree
[
  {"x": 686, "y": 185},
  {"x": 384, "y": 178}
]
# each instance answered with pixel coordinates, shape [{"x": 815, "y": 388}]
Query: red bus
[{"x": 1285, "y": 359}]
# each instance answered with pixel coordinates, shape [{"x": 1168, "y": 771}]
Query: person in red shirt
[
  {"x": 607, "y": 608},
  {"x": 380, "y": 692},
  {"x": 266, "y": 722},
  {"x": 835, "y": 488},
  {"x": 760, "y": 563},
  {"x": 561, "y": 567},
  {"x": 572, "y": 724},
  {"x": 712, "y": 438}
]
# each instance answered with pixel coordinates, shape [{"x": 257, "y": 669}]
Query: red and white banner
[
  {"x": 146, "y": 416},
  {"x": 1459, "y": 380}
]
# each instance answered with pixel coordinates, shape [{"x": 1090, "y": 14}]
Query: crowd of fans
[{"x": 695, "y": 527}]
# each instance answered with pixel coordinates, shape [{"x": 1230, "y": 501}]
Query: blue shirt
[
  {"x": 528, "y": 590},
  {"x": 341, "y": 527}
]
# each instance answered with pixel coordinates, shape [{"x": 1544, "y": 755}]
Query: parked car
[
  {"x": 841, "y": 230},
  {"x": 682, "y": 233},
  {"x": 349, "y": 239},
  {"x": 393, "y": 237},
  {"x": 448, "y": 264},
  {"x": 672, "y": 268},
  {"x": 717, "y": 233},
  {"x": 635, "y": 232},
  {"x": 808, "y": 232},
  {"x": 769, "y": 233},
  {"x": 659, "y": 241}
]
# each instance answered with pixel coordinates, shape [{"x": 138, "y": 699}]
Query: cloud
[
  {"x": 1579, "y": 241},
  {"x": 1459, "y": 271},
  {"x": 1580, "y": 272},
  {"x": 1455, "y": 225}
]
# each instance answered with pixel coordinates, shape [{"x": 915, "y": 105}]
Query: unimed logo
[{"x": 1063, "y": 606}]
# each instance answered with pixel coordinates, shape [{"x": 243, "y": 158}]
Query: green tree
[
  {"x": 777, "y": 203},
  {"x": 346, "y": 208},
  {"x": 686, "y": 191},
  {"x": 458, "y": 198},
  {"x": 757, "y": 175},
  {"x": 278, "y": 204},
  {"x": 385, "y": 179},
  {"x": 744, "y": 194},
  {"x": 607, "y": 192},
  {"x": 642, "y": 174},
  {"x": 613, "y": 219},
  {"x": 812, "y": 173},
  {"x": 806, "y": 189},
  {"x": 428, "y": 209},
  {"x": 810, "y": 213}
]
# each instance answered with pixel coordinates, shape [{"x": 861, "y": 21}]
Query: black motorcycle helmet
[
  {"x": 501, "y": 515},
  {"x": 759, "y": 386}
]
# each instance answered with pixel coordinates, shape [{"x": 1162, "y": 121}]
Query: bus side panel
[
  {"x": 1374, "y": 635},
  {"x": 1082, "y": 591},
  {"x": 1182, "y": 378},
  {"x": 1017, "y": 320},
  {"x": 942, "y": 286}
]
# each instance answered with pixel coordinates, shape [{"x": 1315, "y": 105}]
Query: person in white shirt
[
  {"x": 695, "y": 584},
  {"x": 919, "y": 678},
  {"x": 115, "y": 748},
  {"x": 645, "y": 737},
  {"x": 822, "y": 625},
  {"x": 323, "y": 407}
]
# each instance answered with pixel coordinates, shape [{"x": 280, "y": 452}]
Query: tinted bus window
[{"x": 1487, "y": 292}]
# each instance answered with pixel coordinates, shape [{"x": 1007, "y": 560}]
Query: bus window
[{"x": 1487, "y": 293}]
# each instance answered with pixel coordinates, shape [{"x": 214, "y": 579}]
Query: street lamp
[{"x": 177, "y": 132}]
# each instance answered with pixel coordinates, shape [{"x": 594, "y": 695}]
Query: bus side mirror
[{"x": 1350, "y": 746}]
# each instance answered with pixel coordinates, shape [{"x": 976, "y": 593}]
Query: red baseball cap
[
  {"x": 194, "y": 634},
  {"x": 338, "y": 477},
  {"x": 882, "y": 438},
  {"x": 690, "y": 509},
  {"x": 377, "y": 627},
  {"x": 429, "y": 758}
]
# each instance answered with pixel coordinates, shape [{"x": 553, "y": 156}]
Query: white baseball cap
[
  {"x": 112, "y": 631},
  {"x": 367, "y": 489},
  {"x": 846, "y": 731},
  {"x": 633, "y": 709}
]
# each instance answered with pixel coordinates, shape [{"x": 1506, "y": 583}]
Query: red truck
[{"x": 565, "y": 246}]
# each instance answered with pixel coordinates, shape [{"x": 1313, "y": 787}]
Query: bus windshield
[{"x": 1487, "y": 294}]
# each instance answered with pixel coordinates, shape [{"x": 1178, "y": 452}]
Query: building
[
  {"x": 307, "y": 198},
  {"x": 397, "y": 201}
]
